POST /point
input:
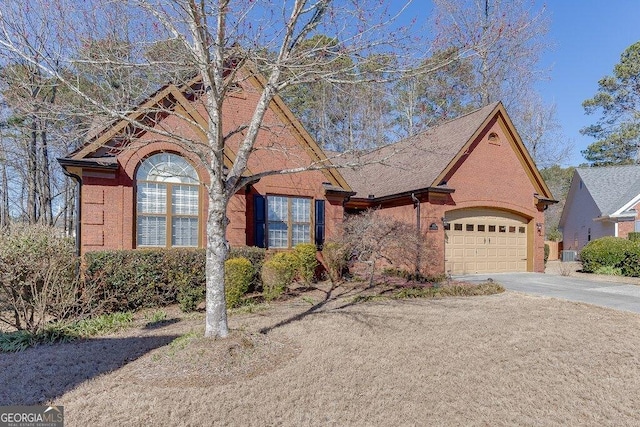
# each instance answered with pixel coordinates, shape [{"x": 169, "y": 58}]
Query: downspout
[{"x": 416, "y": 206}]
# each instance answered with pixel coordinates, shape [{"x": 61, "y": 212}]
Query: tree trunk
[
  {"x": 46, "y": 202},
  {"x": 4, "y": 188},
  {"x": 32, "y": 173},
  {"x": 4, "y": 208},
  {"x": 216, "y": 254},
  {"x": 46, "y": 214}
]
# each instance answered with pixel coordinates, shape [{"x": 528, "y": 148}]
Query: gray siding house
[{"x": 602, "y": 201}]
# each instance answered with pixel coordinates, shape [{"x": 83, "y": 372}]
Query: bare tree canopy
[{"x": 507, "y": 38}]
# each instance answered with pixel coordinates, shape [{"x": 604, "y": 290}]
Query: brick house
[
  {"x": 478, "y": 192},
  {"x": 471, "y": 185},
  {"x": 141, "y": 189},
  {"x": 602, "y": 201}
]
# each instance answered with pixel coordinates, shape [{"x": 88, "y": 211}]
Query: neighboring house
[
  {"x": 602, "y": 201},
  {"x": 480, "y": 196}
]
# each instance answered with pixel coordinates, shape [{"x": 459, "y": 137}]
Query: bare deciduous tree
[
  {"x": 372, "y": 237},
  {"x": 108, "y": 54},
  {"x": 222, "y": 41},
  {"x": 507, "y": 38}
]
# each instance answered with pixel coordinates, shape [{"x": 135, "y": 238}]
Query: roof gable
[
  {"x": 427, "y": 159},
  {"x": 611, "y": 187},
  {"x": 174, "y": 99}
]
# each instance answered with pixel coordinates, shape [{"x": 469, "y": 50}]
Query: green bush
[
  {"x": 133, "y": 279},
  {"x": 308, "y": 261},
  {"x": 336, "y": 258},
  {"x": 554, "y": 234},
  {"x": 65, "y": 331},
  {"x": 238, "y": 275},
  {"x": 605, "y": 252},
  {"x": 278, "y": 273},
  {"x": 256, "y": 256},
  {"x": 634, "y": 236},
  {"x": 609, "y": 271},
  {"x": 190, "y": 297},
  {"x": 38, "y": 278},
  {"x": 630, "y": 266},
  {"x": 547, "y": 250}
]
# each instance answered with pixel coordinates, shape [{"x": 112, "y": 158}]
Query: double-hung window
[
  {"x": 288, "y": 221},
  {"x": 168, "y": 202}
]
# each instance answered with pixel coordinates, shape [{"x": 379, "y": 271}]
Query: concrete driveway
[{"x": 618, "y": 295}]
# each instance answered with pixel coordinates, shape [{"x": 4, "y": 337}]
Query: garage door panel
[{"x": 485, "y": 240}]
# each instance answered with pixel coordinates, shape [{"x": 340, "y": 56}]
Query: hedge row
[
  {"x": 613, "y": 253},
  {"x": 133, "y": 279}
]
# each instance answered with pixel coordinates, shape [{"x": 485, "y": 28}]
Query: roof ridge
[{"x": 493, "y": 105}]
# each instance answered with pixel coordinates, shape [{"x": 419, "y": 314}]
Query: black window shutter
[
  {"x": 259, "y": 218},
  {"x": 319, "y": 232}
]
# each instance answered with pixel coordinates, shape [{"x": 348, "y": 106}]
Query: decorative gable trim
[
  {"x": 300, "y": 133},
  {"x": 502, "y": 118},
  {"x": 627, "y": 206},
  {"x": 197, "y": 122}
]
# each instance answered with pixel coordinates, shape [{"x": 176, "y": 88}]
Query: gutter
[
  {"x": 410, "y": 194},
  {"x": 77, "y": 179},
  {"x": 93, "y": 164},
  {"x": 616, "y": 218}
]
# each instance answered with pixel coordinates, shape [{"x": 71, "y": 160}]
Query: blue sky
[
  {"x": 589, "y": 36},
  {"x": 586, "y": 39}
]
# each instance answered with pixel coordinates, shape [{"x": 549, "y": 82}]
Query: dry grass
[{"x": 505, "y": 359}]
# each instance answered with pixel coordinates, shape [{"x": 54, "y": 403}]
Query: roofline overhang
[
  {"x": 374, "y": 201},
  {"x": 545, "y": 200},
  {"x": 616, "y": 218},
  {"x": 634, "y": 201},
  {"x": 88, "y": 163}
]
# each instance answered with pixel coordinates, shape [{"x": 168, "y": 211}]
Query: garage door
[{"x": 485, "y": 241}]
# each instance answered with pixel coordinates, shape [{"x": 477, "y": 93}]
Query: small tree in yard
[
  {"x": 373, "y": 237},
  {"x": 221, "y": 41}
]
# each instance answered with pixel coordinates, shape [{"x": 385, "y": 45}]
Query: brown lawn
[{"x": 506, "y": 359}]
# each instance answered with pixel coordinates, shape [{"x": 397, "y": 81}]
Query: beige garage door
[{"x": 485, "y": 241}]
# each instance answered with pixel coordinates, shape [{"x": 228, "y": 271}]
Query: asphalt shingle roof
[
  {"x": 415, "y": 162},
  {"x": 612, "y": 186}
]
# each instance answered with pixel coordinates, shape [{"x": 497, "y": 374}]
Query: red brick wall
[
  {"x": 108, "y": 203},
  {"x": 489, "y": 175},
  {"x": 624, "y": 228},
  {"x": 429, "y": 214}
]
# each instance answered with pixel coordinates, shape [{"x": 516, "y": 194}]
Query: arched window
[{"x": 168, "y": 202}]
